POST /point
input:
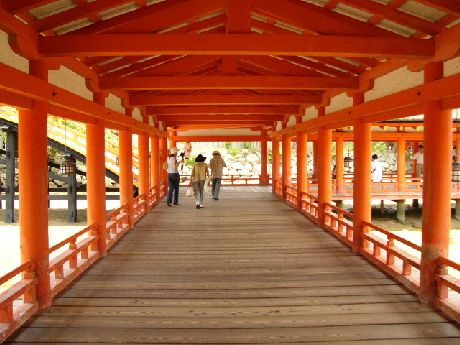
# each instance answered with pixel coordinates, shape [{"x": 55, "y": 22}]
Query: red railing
[
  {"x": 71, "y": 257},
  {"x": 278, "y": 187},
  {"x": 18, "y": 300},
  {"x": 291, "y": 195},
  {"x": 309, "y": 207},
  {"x": 393, "y": 254},
  {"x": 230, "y": 180},
  {"x": 117, "y": 225},
  {"x": 140, "y": 207},
  {"x": 448, "y": 286},
  {"x": 339, "y": 223}
]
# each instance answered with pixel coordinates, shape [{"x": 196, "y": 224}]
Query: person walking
[
  {"x": 418, "y": 157},
  {"x": 216, "y": 165},
  {"x": 376, "y": 169},
  {"x": 198, "y": 179},
  {"x": 172, "y": 165}
]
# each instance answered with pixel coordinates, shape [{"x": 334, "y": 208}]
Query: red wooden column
[
  {"x": 287, "y": 154},
  {"x": 324, "y": 168},
  {"x": 302, "y": 174},
  {"x": 126, "y": 171},
  {"x": 275, "y": 162},
  {"x": 362, "y": 176},
  {"x": 315, "y": 159},
  {"x": 95, "y": 173},
  {"x": 33, "y": 189},
  {"x": 401, "y": 173},
  {"x": 155, "y": 163},
  {"x": 163, "y": 156},
  {"x": 437, "y": 175},
  {"x": 339, "y": 164},
  {"x": 144, "y": 183},
  {"x": 264, "y": 180}
]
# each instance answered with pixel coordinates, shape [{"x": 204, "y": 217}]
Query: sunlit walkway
[{"x": 245, "y": 269}]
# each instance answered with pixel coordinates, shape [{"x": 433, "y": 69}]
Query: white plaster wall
[
  {"x": 114, "y": 103},
  {"x": 218, "y": 132},
  {"x": 339, "y": 102},
  {"x": 9, "y": 57},
  {"x": 291, "y": 121},
  {"x": 452, "y": 67},
  {"x": 401, "y": 79},
  {"x": 137, "y": 115},
  {"x": 310, "y": 113},
  {"x": 70, "y": 81}
]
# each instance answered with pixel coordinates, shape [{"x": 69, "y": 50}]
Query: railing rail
[
  {"x": 140, "y": 207},
  {"x": 71, "y": 257},
  {"x": 447, "y": 285},
  {"x": 309, "y": 207},
  {"x": 117, "y": 223},
  {"x": 393, "y": 254},
  {"x": 339, "y": 223},
  {"x": 18, "y": 298}
]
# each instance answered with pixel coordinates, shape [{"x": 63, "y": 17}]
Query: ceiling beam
[
  {"x": 234, "y": 44},
  {"x": 280, "y": 110},
  {"x": 220, "y": 118},
  {"x": 228, "y": 83},
  {"x": 177, "y": 100}
]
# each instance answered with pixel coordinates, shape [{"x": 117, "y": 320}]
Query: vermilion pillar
[
  {"x": 144, "y": 183},
  {"x": 33, "y": 188},
  {"x": 315, "y": 159},
  {"x": 155, "y": 163},
  {"x": 339, "y": 164},
  {"x": 164, "y": 155},
  {"x": 126, "y": 171},
  {"x": 287, "y": 154},
  {"x": 437, "y": 175},
  {"x": 95, "y": 174},
  {"x": 362, "y": 176},
  {"x": 302, "y": 174},
  {"x": 264, "y": 157},
  {"x": 324, "y": 168},
  {"x": 275, "y": 162},
  {"x": 171, "y": 140},
  {"x": 401, "y": 164}
]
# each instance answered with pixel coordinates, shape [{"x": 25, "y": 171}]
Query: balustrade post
[
  {"x": 33, "y": 188},
  {"x": 437, "y": 175}
]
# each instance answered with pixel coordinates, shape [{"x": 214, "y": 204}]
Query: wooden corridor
[{"x": 246, "y": 269}]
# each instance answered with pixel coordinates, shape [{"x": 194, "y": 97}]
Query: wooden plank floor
[{"x": 246, "y": 269}]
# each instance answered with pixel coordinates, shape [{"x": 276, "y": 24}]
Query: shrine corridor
[{"x": 246, "y": 269}]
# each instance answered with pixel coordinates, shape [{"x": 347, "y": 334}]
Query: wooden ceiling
[{"x": 233, "y": 62}]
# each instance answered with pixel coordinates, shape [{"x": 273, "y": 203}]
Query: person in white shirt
[
  {"x": 418, "y": 157},
  {"x": 376, "y": 169},
  {"x": 172, "y": 165}
]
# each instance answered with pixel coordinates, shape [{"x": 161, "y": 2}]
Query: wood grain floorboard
[{"x": 246, "y": 269}]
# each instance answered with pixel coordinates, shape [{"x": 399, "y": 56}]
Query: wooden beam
[
  {"x": 222, "y": 124},
  {"x": 449, "y": 6},
  {"x": 178, "y": 100},
  {"x": 228, "y": 83},
  {"x": 19, "y": 6},
  {"x": 206, "y": 109},
  {"x": 227, "y": 138},
  {"x": 219, "y": 118},
  {"x": 234, "y": 44},
  {"x": 20, "y": 83}
]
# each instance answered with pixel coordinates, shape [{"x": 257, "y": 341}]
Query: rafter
[
  {"x": 19, "y": 6},
  {"x": 182, "y": 100},
  {"x": 84, "y": 10},
  {"x": 228, "y": 118},
  {"x": 235, "y": 109},
  {"x": 320, "y": 20},
  {"x": 156, "y": 17},
  {"x": 228, "y": 82},
  {"x": 450, "y": 6},
  {"x": 234, "y": 44}
]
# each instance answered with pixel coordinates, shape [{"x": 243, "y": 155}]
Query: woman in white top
[
  {"x": 376, "y": 169},
  {"x": 173, "y": 177}
]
